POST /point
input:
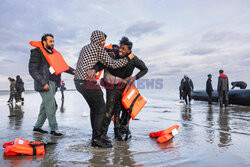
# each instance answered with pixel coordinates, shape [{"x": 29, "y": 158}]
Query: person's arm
[
  {"x": 106, "y": 60},
  {"x": 141, "y": 66},
  {"x": 182, "y": 85},
  {"x": 71, "y": 71},
  {"x": 98, "y": 66},
  {"x": 192, "y": 85},
  {"x": 218, "y": 86},
  {"x": 34, "y": 63},
  {"x": 227, "y": 85}
]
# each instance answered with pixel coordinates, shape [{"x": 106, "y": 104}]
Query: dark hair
[
  {"x": 9, "y": 78},
  {"x": 44, "y": 37},
  {"x": 125, "y": 41},
  {"x": 221, "y": 71},
  {"x": 209, "y": 75},
  {"x": 114, "y": 46}
]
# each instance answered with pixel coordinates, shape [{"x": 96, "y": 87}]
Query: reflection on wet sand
[
  {"x": 62, "y": 109},
  {"x": 16, "y": 116},
  {"x": 121, "y": 155},
  {"x": 170, "y": 147},
  {"x": 186, "y": 114},
  {"x": 223, "y": 122},
  {"x": 210, "y": 122}
]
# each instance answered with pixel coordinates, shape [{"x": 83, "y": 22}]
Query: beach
[{"x": 208, "y": 135}]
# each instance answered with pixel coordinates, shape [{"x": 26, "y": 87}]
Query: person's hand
[
  {"x": 181, "y": 91},
  {"x": 46, "y": 87},
  {"x": 74, "y": 71},
  {"x": 131, "y": 79},
  {"x": 192, "y": 90},
  {"x": 91, "y": 73}
]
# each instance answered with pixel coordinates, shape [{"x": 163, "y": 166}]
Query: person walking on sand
[
  {"x": 12, "y": 90},
  {"x": 223, "y": 88},
  {"x": 209, "y": 88},
  {"x": 87, "y": 86},
  {"x": 19, "y": 88},
  {"x": 45, "y": 83},
  {"x": 186, "y": 88}
]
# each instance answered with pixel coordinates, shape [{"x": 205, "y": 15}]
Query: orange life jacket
[
  {"x": 55, "y": 59},
  {"x": 20, "y": 146},
  {"x": 165, "y": 135},
  {"x": 132, "y": 100},
  {"x": 99, "y": 73}
]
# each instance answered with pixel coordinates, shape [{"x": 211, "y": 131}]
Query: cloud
[
  {"x": 202, "y": 51},
  {"x": 143, "y": 27},
  {"x": 230, "y": 36}
]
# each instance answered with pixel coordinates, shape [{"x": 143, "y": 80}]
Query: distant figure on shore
[
  {"x": 19, "y": 89},
  {"x": 240, "y": 84},
  {"x": 12, "y": 90},
  {"x": 186, "y": 88},
  {"x": 62, "y": 88},
  {"x": 180, "y": 93},
  {"x": 223, "y": 88},
  {"x": 209, "y": 88}
]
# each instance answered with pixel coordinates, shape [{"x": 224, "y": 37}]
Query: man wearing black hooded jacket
[
  {"x": 88, "y": 87},
  {"x": 114, "y": 80}
]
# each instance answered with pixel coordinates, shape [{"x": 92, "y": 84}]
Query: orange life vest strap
[
  {"x": 131, "y": 56},
  {"x": 130, "y": 109}
]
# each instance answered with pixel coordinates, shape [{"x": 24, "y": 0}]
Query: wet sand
[{"x": 208, "y": 135}]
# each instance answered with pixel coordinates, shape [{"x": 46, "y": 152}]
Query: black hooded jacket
[{"x": 19, "y": 85}]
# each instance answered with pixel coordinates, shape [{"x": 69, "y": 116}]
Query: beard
[{"x": 49, "y": 47}]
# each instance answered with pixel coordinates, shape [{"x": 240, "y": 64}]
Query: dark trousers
[
  {"x": 93, "y": 95},
  {"x": 223, "y": 98},
  {"x": 113, "y": 107},
  {"x": 185, "y": 94},
  {"x": 62, "y": 91},
  {"x": 209, "y": 98}
]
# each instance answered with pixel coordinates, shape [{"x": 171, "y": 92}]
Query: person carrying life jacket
[
  {"x": 45, "y": 67},
  {"x": 115, "y": 82}
]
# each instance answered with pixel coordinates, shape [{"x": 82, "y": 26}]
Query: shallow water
[{"x": 208, "y": 135}]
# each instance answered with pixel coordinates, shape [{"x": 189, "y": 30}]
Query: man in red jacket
[{"x": 222, "y": 89}]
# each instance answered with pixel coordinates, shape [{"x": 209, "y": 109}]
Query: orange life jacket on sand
[
  {"x": 55, "y": 59},
  {"x": 20, "y": 146},
  {"x": 132, "y": 100},
  {"x": 165, "y": 135}
]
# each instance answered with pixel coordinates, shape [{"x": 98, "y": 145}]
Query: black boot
[
  {"x": 100, "y": 143},
  {"x": 118, "y": 135}
]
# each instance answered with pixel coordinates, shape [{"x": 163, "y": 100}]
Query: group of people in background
[
  {"x": 186, "y": 87},
  {"x": 16, "y": 90}
]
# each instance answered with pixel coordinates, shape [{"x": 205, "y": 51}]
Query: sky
[{"x": 172, "y": 37}]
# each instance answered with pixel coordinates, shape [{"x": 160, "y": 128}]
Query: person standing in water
[
  {"x": 62, "y": 88},
  {"x": 223, "y": 88},
  {"x": 209, "y": 88},
  {"x": 87, "y": 86},
  {"x": 12, "y": 90},
  {"x": 45, "y": 83},
  {"x": 186, "y": 88},
  {"x": 20, "y": 88}
]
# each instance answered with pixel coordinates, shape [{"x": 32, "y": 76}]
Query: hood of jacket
[
  {"x": 97, "y": 37},
  {"x": 223, "y": 75}
]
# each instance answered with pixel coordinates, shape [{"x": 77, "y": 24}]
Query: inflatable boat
[{"x": 236, "y": 96}]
